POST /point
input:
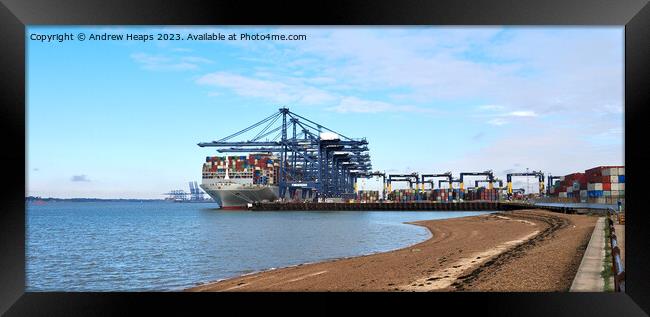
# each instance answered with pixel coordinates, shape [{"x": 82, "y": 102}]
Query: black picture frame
[{"x": 15, "y": 15}]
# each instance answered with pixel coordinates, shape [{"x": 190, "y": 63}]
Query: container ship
[{"x": 234, "y": 182}]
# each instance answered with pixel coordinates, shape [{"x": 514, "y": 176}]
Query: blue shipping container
[
  {"x": 594, "y": 193},
  {"x": 621, "y": 179}
]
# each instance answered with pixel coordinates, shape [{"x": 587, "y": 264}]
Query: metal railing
[
  {"x": 588, "y": 200},
  {"x": 617, "y": 262}
]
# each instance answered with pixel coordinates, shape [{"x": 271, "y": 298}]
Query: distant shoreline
[{"x": 50, "y": 199}]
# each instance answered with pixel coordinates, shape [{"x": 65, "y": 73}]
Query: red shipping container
[
  {"x": 594, "y": 175},
  {"x": 607, "y": 186},
  {"x": 596, "y": 171},
  {"x": 573, "y": 176},
  {"x": 595, "y": 179}
]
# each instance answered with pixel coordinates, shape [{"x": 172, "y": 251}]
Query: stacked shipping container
[
  {"x": 262, "y": 168},
  {"x": 570, "y": 185},
  {"x": 368, "y": 195},
  {"x": 444, "y": 195},
  {"x": 402, "y": 195},
  {"x": 481, "y": 193},
  {"x": 603, "y": 184},
  {"x": 606, "y": 184}
]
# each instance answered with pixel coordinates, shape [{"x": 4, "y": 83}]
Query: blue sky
[{"x": 122, "y": 118}]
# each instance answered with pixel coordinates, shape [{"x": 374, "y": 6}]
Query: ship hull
[{"x": 238, "y": 197}]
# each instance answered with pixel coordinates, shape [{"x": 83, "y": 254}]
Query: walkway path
[{"x": 588, "y": 278}]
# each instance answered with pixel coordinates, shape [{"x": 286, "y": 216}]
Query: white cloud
[
  {"x": 79, "y": 178},
  {"x": 517, "y": 76},
  {"x": 497, "y": 122},
  {"x": 196, "y": 60},
  {"x": 612, "y": 109},
  {"x": 491, "y": 107},
  {"x": 292, "y": 91},
  {"x": 241, "y": 84},
  {"x": 548, "y": 70},
  {"x": 149, "y": 59},
  {"x": 296, "y": 91},
  {"x": 498, "y": 113},
  {"x": 521, "y": 114},
  {"x": 543, "y": 69},
  {"x": 558, "y": 151},
  {"x": 354, "y": 104},
  {"x": 167, "y": 63}
]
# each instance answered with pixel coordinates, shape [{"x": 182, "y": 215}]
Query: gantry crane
[
  {"x": 539, "y": 175},
  {"x": 550, "y": 182},
  {"x": 375, "y": 174},
  {"x": 195, "y": 192},
  {"x": 454, "y": 180},
  {"x": 410, "y": 178},
  {"x": 490, "y": 178},
  {"x": 314, "y": 158},
  {"x": 476, "y": 183},
  {"x": 424, "y": 178},
  {"x": 519, "y": 191},
  {"x": 177, "y": 195}
]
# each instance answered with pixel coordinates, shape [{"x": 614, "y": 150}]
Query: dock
[{"x": 408, "y": 206}]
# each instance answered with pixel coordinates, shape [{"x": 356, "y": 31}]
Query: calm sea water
[{"x": 163, "y": 246}]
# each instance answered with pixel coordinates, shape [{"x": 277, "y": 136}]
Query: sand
[{"x": 525, "y": 250}]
